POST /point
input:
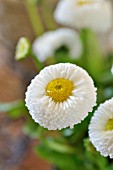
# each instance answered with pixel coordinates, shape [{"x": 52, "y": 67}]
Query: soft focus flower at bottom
[
  {"x": 60, "y": 95},
  {"x": 101, "y": 129}
]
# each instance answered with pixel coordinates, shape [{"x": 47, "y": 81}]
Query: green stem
[
  {"x": 39, "y": 65},
  {"x": 34, "y": 18},
  {"x": 47, "y": 13},
  {"x": 92, "y": 59}
]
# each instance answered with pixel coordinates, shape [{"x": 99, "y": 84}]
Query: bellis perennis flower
[
  {"x": 60, "y": 95},
  {"x": 94, "y": 14},
  {"x": 46, "y": 45},
  {"x": 101, "y": 129}
]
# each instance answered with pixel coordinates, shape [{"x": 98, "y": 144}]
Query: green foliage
[
  {"x": 14, "y": 109},
  {"x": 92, "y": 59},
  {"x": 63, "y": 160},
  {"x": 94, "y": 158},
  {"x": 62, "y": 55}
]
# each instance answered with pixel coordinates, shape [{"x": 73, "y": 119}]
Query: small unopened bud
[{"x": 23, "y": 48}]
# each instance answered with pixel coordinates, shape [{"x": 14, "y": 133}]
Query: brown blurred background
[{"x": 16, "y": 149}]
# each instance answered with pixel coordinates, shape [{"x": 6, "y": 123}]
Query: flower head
[
  {"x": 46, "y": 45},
  {"x": 93, "y": 14},
  {"x": 101, "y": 129},
  {"x": 60, "y": 95}
]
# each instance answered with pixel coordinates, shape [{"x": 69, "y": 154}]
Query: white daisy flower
[
  {"x": 60, "y": 96},
  {"x": 101, "y": 129},
  {"x": 93, "y": 14},
  {"x": 46, "y": 45}
]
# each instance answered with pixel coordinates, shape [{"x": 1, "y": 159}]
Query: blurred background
[{"x": 16, "y": 148}]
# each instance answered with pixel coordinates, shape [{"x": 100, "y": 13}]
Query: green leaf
[
  {"x": 58, "y": 146},
  {"x": 15, "y": 109},
  {"x": 7, "y": 107},
  {"x": 39, "y": 65},
  {"x": 62, "y": 160}
]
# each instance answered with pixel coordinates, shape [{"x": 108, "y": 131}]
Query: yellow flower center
[
  {"x": 109, "y": 125},
  {"x": 60, "y": 89},
  {"x": 84, "y": 2}
]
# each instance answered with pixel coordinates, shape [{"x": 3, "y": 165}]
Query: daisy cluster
[
  {"x": 77, "y": 14},
  {"x": 63, "y": 94}
]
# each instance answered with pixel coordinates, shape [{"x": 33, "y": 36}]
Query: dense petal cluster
[
  {"x": 46, "y": 45},
  {"x": 94, "y": 14},
  {"x": 101, "y": 129},
  {"x": 60, "y": 95}
]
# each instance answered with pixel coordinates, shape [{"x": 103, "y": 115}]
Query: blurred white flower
[
  {"x": 101, "y": 129},
  {"x": 94, "y": 14},
  {"x": 60, "y": 96},
  {"x": 46, "y": 45},
  {"x": 112, "y": 69}
]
